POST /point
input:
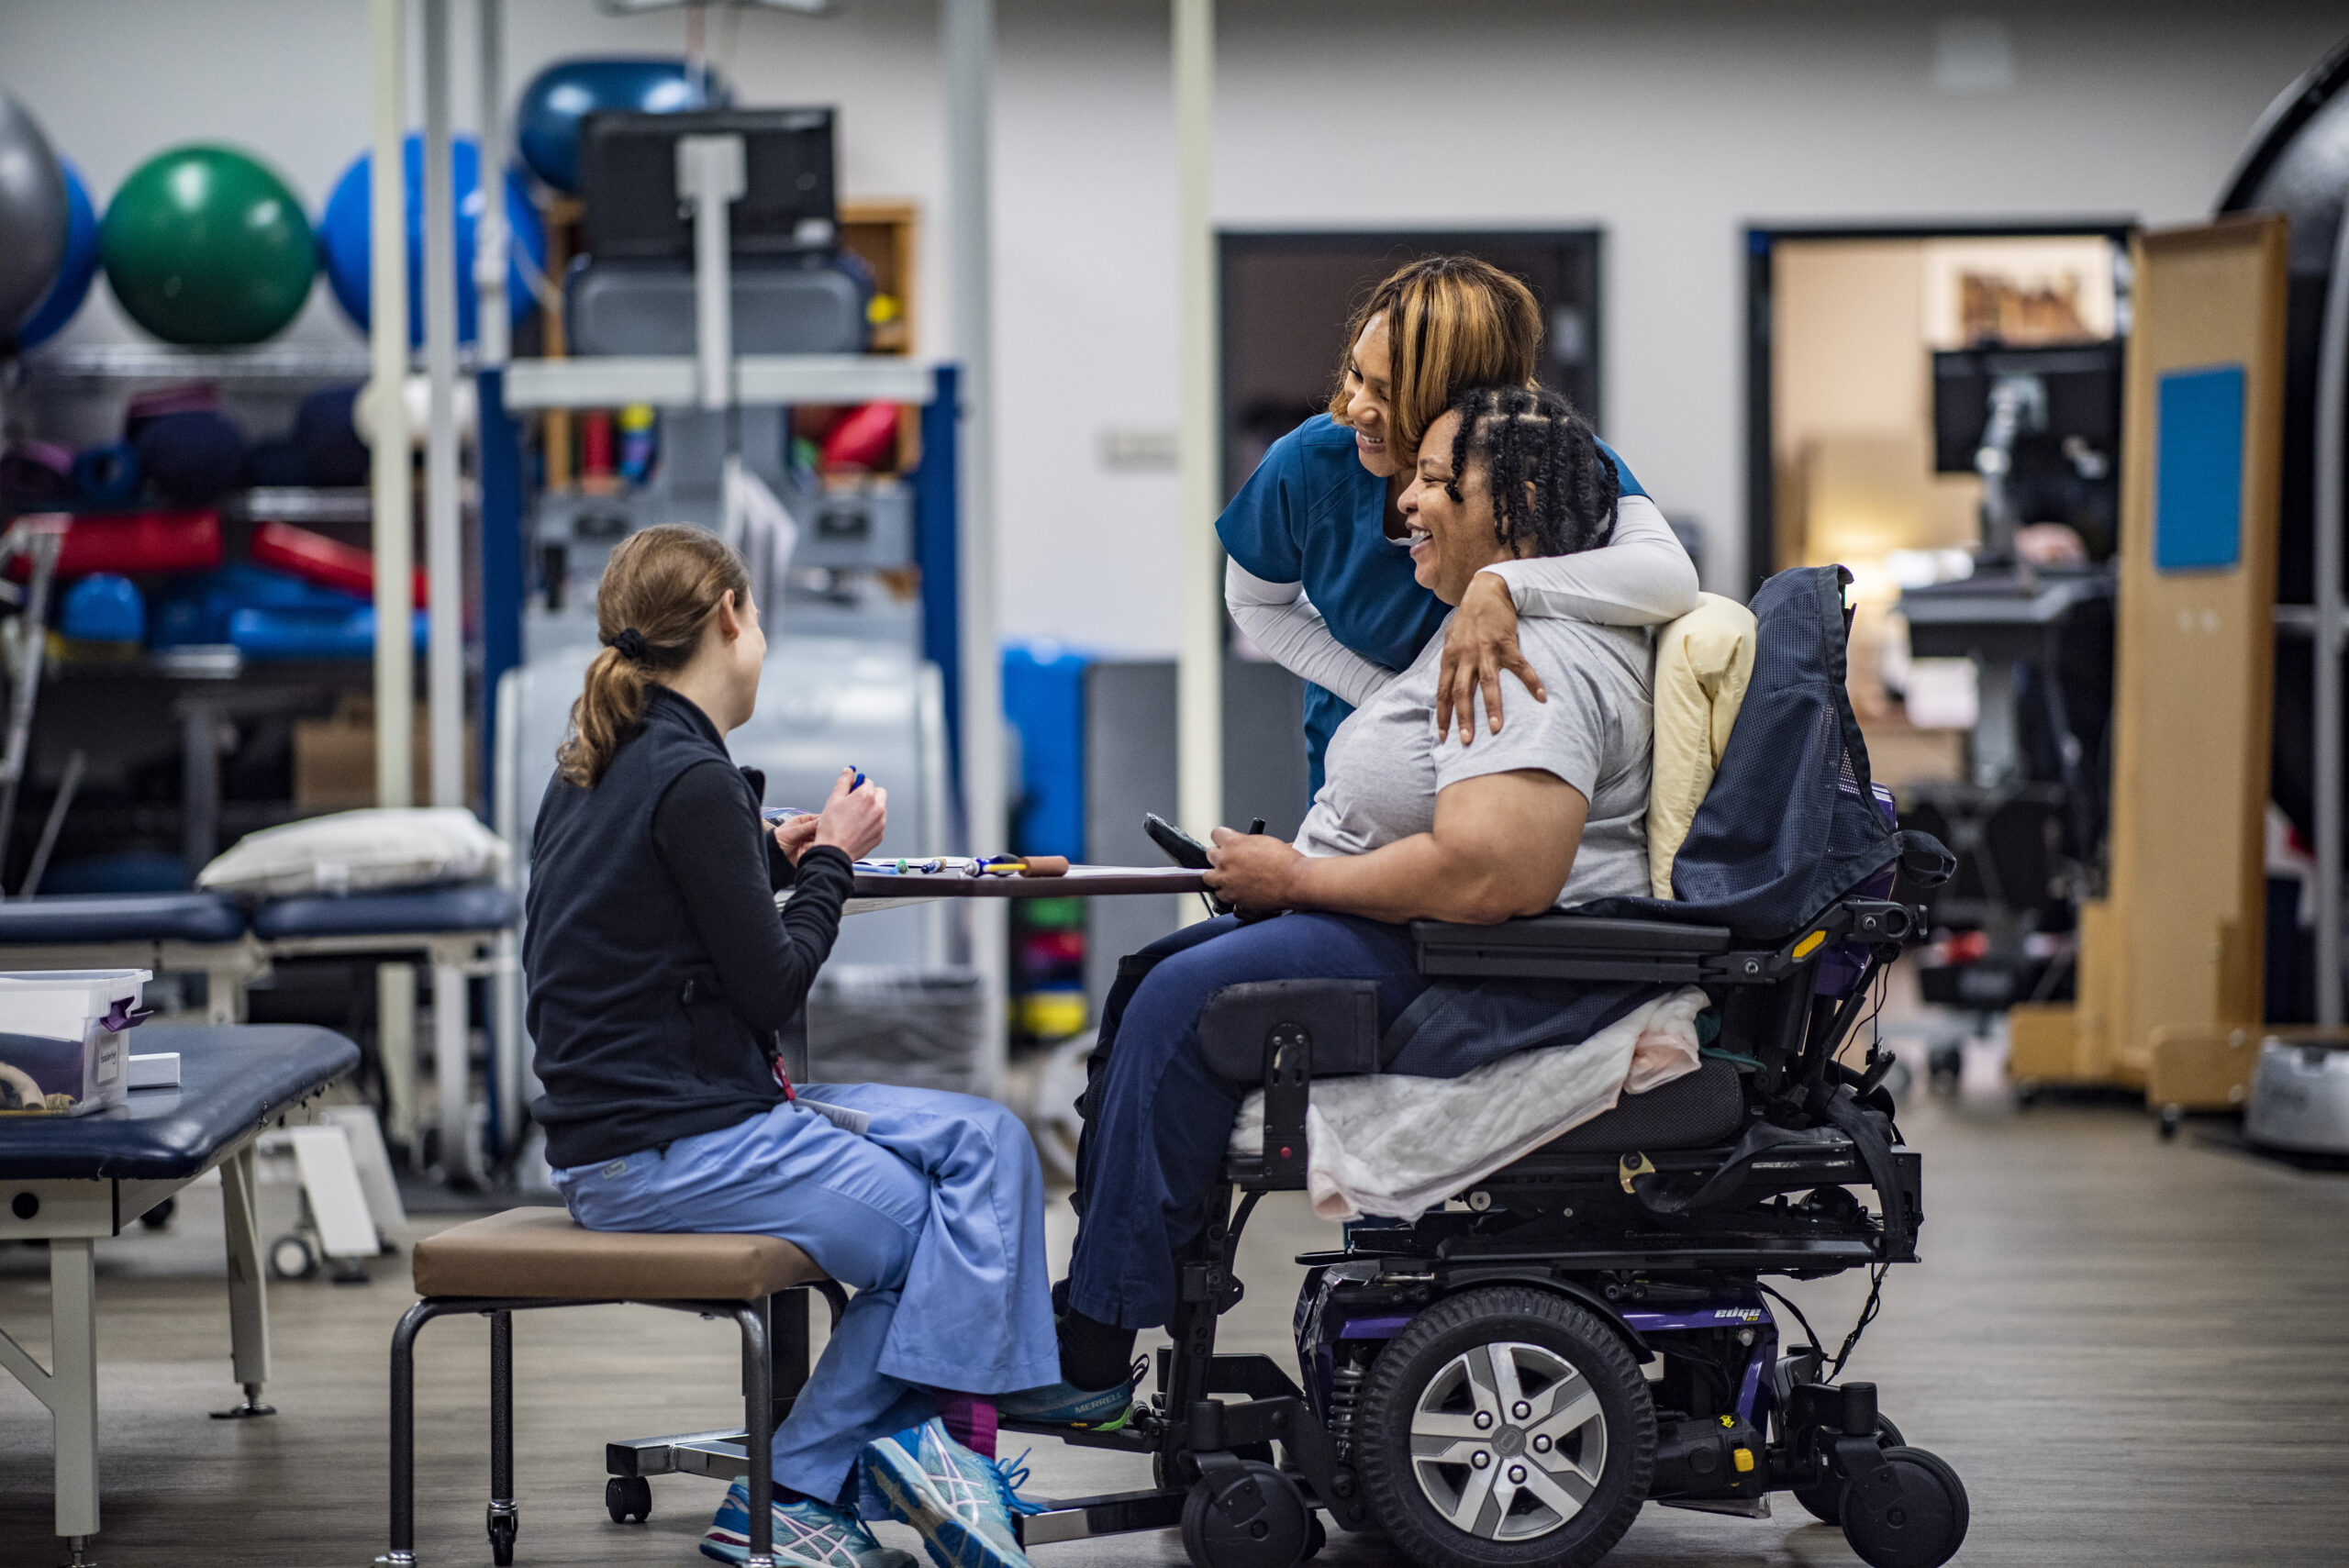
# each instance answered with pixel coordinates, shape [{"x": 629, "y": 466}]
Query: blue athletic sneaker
[
  {"x": 1063, "y": 1403},
  {"x": 807, "y": 1535},
  {"x": 962, "y": 1505}
]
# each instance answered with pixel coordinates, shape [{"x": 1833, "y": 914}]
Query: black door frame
[
  {"x": 1231, "y": 244},
  {"x": 1761, "y": 241}
]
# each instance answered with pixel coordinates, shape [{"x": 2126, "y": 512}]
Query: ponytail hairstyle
[
  {"x": 660, "y": 588},
  {"x": 1453, "y": 322},
  {"x": 1554, "y": 488}
]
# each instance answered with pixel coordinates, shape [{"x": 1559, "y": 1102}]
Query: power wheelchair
[{"x": 1471, "y": 1383}]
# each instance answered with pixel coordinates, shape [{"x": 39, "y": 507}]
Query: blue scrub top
[{"x": 1312, "y": 514}]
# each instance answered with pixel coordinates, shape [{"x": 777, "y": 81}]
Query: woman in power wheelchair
[{"x": 1470, "y": 1382}]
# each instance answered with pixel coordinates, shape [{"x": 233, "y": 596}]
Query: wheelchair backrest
[{"x": 1792, "y": 821}]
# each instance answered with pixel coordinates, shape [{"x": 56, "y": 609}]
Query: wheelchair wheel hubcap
[{"x": 1507, "y": 1440}]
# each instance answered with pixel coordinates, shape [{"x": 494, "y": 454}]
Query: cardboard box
[{"x": 334, "y": 759}]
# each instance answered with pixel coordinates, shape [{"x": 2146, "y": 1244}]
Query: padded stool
[{"x": 528, "y": 1258}]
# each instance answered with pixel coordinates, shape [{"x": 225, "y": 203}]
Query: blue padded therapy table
[{"x": 68, "y": 1181}]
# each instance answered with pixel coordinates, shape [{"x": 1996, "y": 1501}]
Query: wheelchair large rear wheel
[{"x": 1505, "y": 1427}]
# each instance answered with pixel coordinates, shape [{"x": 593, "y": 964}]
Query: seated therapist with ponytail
[
  {"x": 660, "y": 973},
  {"x": 1549, "y": 811}
]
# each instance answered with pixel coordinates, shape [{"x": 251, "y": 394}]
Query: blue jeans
[
  {"x": 934, "y": 1218},
  {"x": 1161, "y": 1120}
]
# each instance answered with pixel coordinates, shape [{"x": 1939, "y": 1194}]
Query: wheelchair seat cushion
[{"x": 1703, "y": 1109}]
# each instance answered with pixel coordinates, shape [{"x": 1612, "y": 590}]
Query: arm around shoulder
[{"x": 1642, "y": 576}]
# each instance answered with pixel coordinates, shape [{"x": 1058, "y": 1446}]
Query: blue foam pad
[
  {"x": 54, "y": 920},
  {"x": 474, "y": 907},
  {"x": 232, "y": 1080}
]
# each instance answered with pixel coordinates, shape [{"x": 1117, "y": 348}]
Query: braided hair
[{"x": 1554, "y": 489}]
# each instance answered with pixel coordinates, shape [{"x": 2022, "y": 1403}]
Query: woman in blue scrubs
[{"x": 1318, "y": 575}]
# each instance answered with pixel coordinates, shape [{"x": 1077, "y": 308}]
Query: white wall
[{"x": 1671, "y": 122}]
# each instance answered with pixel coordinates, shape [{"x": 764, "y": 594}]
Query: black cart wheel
[
  {"x": 1825, "y": 1500},
  {"x": 157, "y": 1218},
  {"x": 293, "y": 1257},
  {"x": 627, "y": 1497},
  {"x": 1506, "y": 1428},
  {"x": 1919, "y": 1525},
  {"x": 1316, "y": 1538},
  {"x": 1251, "y": 1519}
]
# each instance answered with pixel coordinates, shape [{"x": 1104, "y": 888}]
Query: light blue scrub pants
[{"x": 934, "y": 1218}]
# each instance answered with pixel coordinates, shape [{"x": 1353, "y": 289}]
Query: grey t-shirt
[{"x": 1385, "y": 767}]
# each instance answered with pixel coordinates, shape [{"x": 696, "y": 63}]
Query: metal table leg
[
  {"x": 73, "y": 1394},
  {"x": 247, "y": 1306}
]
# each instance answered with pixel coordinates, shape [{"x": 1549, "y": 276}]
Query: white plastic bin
[{"x": 62, "y": 1046}]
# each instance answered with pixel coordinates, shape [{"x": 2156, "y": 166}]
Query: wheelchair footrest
[{"x": 1115, "y": 1513}]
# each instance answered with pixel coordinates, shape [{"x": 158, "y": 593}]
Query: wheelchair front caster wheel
[
  {"x": 1251, "y": 1517},
  {"x": 2171, "y": 1117},
  {"x": 1912, "y": 1515},
  {"x": 293, "y": 1257},
  {"x": 1316, "y": 1538},
  {"x": 627, "y": 1497},
  {"x": 1824, "y": 1500}
]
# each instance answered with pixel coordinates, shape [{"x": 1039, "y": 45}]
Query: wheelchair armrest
[
  {"x": 1283, "y": 1034},
  {"x": 1570, "y": 947}
]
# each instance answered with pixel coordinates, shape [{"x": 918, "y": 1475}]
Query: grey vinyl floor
[{"x": 2133, "y": 1352}]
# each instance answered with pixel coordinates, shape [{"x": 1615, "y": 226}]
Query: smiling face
[
  {"x": 1369, "y": 393},
  {"x": 1451, "y": 541}
]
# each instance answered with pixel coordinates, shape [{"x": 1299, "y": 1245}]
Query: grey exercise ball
[{"x": 33, "y": 218}]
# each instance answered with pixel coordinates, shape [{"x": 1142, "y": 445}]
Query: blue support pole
[
  {"x": 504, "y": 574},
  {"x": 936, "y": 552}
]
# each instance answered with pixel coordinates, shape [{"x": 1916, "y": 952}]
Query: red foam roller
[
  {"x": 866, "y": 438},
  {"x": 315, "y": 558},
  {"x": 136, "y": 543}
]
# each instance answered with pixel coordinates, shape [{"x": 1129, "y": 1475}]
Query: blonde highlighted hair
[
  {"x": 1452, "y": 322},
  {"x": 660, "y": 588}
]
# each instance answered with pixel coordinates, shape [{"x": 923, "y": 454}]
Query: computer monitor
[
  {"x": 628, "y": 175},
  {"x": 2083, "y": 397}
]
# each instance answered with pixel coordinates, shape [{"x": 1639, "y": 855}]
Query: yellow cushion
[{"x": 1703, "y": 662}]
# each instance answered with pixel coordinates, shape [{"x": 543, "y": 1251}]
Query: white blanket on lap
[{"x": 1398, "y": 1146}]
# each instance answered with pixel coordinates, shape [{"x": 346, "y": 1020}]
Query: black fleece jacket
[{"x": 658, "y": 969}]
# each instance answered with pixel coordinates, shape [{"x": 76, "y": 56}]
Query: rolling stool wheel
[
  {"x": 290, "y": 1256},
  {"x": 503, "y": 1527},
  {"x": 627, "y": 1497}
]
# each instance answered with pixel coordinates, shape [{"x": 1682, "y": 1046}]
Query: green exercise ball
[{"x": 203, "y": 245}]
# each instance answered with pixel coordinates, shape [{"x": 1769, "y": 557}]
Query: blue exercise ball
[
  {"x": 344, "y": 228},
  {"x": 32, "y": 215},
  {"x": 546, "y": 120},
  {"x": 74, "y": 274}
]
